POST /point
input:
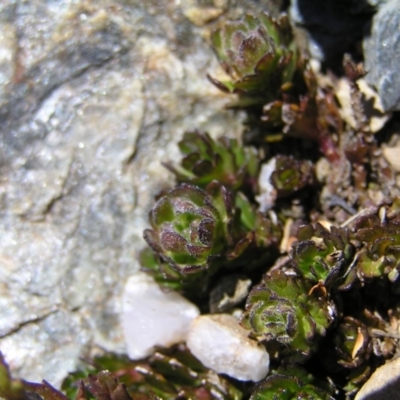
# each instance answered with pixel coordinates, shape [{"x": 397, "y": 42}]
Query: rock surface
[
  {"x": 384, "y": 383},
  {"x": 382, "y": 54},
  {"x": 221, "y": 344},
  {"x": 93, "y": 96},
  {"x": 152, "y": 317}
]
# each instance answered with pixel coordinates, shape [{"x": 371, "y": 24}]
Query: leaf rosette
[
  {"x": 350, "y": 348},
  {"x": 281, "y": 309},
  {"x": 322, "y": 256},
  {"x": 291, "y": 175},
  {"x": 192, "y": 227},
  {"x": 224, "y": 160},
  {"x": 381, "y": 253},
  {"x": 352, "y": 343},
  {"x": 259, "y": 55}
]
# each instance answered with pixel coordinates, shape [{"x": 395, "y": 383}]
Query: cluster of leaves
[
  {"x": 167, "y": 375},
  {"x": 326, "y": 309},
  {"x": 209, "y": 221},
  {"x": 273, "y": 80},
  {"x": 291, "y": 382},
  {"x": 281, "y": 309},
  {"x": 327, "y": 300},
  {"x": 285, "y": 98},
  {"x": 259, "y": 55}
]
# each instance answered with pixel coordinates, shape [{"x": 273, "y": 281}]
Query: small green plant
[
  {"x": 224, "y": 160},
  {"x": 191, "y": 227},
  {"x": 291, "y": 383},
  {"x": 197, "y": 232},
  {"x": 282, "y": 310},
  {"x": 259, "y": 55},
  {"x": 168, "y": 374}
]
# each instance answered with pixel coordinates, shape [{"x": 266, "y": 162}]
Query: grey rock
[
  {"x": 93, "y": 96},
  {"x": 384, "y": 383},
  {"x": 382, "y": 54},
  {"x": 333, "y": 26}
]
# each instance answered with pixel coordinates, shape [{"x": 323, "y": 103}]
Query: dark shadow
[{"x": 334, "y": 25}]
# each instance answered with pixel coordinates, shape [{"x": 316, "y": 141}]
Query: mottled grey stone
[
  {"x": 333, "y": 26},
  {"x": 384, "y": 383},
  {"x": 93, "y": 96},
  {"x": 382, "y": 54}
]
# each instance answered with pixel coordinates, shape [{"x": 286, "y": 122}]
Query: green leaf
[
  {"x": 259, "y": 55},
  {"x": 292, "y": 383},
  {"x": 10, "y": 389}
]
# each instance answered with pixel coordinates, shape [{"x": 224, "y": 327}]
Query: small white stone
[
  {"x": 392, "y": 156},
  {"x": 266, "y": 198},
  {"x": 221, "y": 344},
  {"x": 153, "y": 317}
]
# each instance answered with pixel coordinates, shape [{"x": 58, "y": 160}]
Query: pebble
[
  {"x": 384, "y": 383},
  {"x": 267, "y": 197},
  {"x": 391, "y": 155},
  {"x": 221, "y": 344},
  {"x": 153, "y": 317}
]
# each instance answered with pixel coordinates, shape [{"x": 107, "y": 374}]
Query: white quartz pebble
[
  {"x": 266, "y": 198},
  {"x": 153, "y": 317},
  {"x": 221, "y": 344}
]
